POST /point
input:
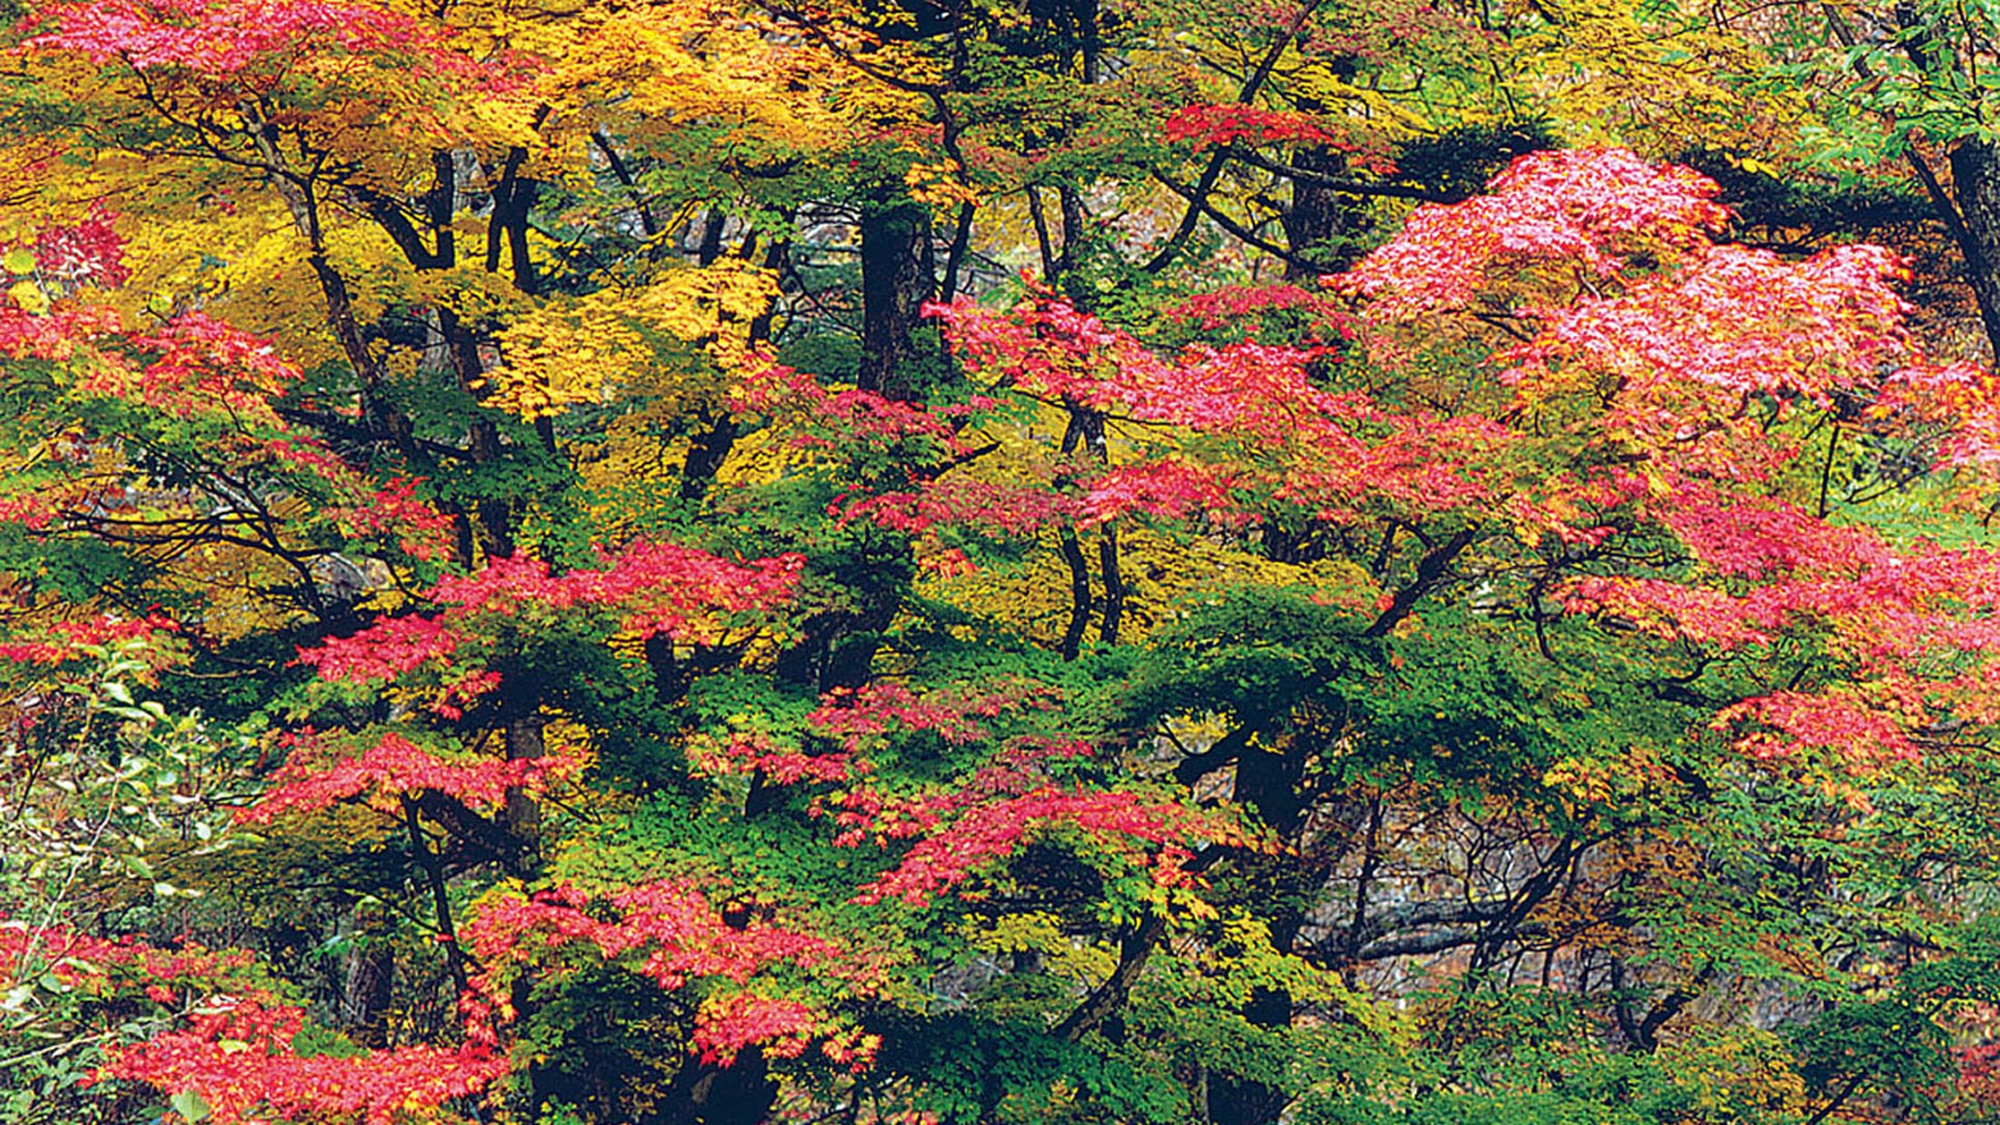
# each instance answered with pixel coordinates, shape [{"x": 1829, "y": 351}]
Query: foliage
[{"x": 1142, "y": 562}]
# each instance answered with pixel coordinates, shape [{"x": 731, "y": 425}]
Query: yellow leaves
[
  {"x": 1041, "y": 933},
  {"x": 1605, "y": 73},
  {"x": 29, "y": 296},
  {"x": 572, "y": 352},
  {"x": 1738, "y": 1072},
  {"x": 939, "y": 184},
  {"x": 1322, "y": 83},
  {"x": 679, "y": 62}
]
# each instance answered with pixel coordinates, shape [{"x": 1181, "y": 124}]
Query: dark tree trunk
[
  {"x": 1317, "y": 218},
  {"x": 895, "y": 282},
  {"x": 1975, "y": 174}
]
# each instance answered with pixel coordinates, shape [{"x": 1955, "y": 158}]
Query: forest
[{"x": 988, "y": 562}]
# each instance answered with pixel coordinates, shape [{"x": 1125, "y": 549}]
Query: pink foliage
[
  {"x": 653, "y": 588},
  {"x": 1785, "y": 722},
  {"x": 1586, "y": 205},
  {"x": 957, "y": 712},
  {"x": 675, "y": 937},
  {"x": 256, "y": 40}
]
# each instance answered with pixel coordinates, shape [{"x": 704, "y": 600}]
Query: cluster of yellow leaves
[
  {"x": 576, "y": 351},
  {"x": 1604, "y": 72},
  {"x": 1735, "y": 1073},
  {"x": 665, "y": 64},
  {"x": 1162, "y": 574},
  {"x": 1041, "y": 933}
]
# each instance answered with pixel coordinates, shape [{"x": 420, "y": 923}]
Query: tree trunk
[
  {"x": 1975, "y": 175},
  {"x": 895, "y": 282}
]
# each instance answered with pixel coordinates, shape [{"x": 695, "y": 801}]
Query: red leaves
[
  {"x": 234, "y": 1048},
  {"x": 237, "y": 1054},
  {"x": 657, "y": 587},
  {"x": 65, "y": 641},
  {"x": 90, "y": 251},
  {"x": 1171, "y": 489},
  {"x": 780, "y": 765},
  {"x": 1786, "y": 722},
  {"x": 384, "y": 650},
  {"x": 221, "y": 40},
  {"x": 958, "y": 501},
  {"x": 989, "y": 832},
  {"x": 55, "y": 335},
  {"x": 954, "y": 712},
  {"x": 653, "y": 588},
  {"x": 681, "y": 936},
  {"x": 1235, "y": 123},
  {"x": 200, "y": 366},
  {"x": 730, "y": 1022},
  {"x": 1589, "y": 205},
  {"x": 392, "y": 767},
  {"x": 670, "y": 934}
]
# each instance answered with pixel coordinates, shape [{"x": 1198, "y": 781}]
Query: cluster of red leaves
[
  {"x": 958, "y": 713},
  {"x": 1020, "y": 767},
  {"x": 316, "y": 776},
  {"x": 55, "y": 335},
  {"x": 1589, "y": 206},
  {"x": 1044, "y": 347},
  {"x": 836, "y": 419},
  {"x": 1232, "y": 123},
  {"x": 1232, "y": 305},
  {"x": 653, "y": 588},
  {"x": 963, "y": 837},
  {"x": 255, "y": 42},
  {"x": 383, "y": 651},
  {"x": 960, "y": 501},
  {"x": 1667, "y": 339},
  {"x": 1329, "y": 453},
  {"x": 1915, "y": 630},
  {"x": 1979, "y": 1073},
  {"x": 392, "y": 508},
  {"x": 1786, "y": 722},
  {"x": 1686, "y": 347},
  {"x": 1170, "y": 488},
  {"x": 779, "y": 764},
  {"x": 729, "y": 1022},
  {"x": 673, "y": 936},
  {"x": 89, "y": 251},
  {"x": 79, "y": 959},
  {"x": 237, "y": 1054},
  {"x": 199, "y": 366},
  {"x": 234, "y": 1046}
]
